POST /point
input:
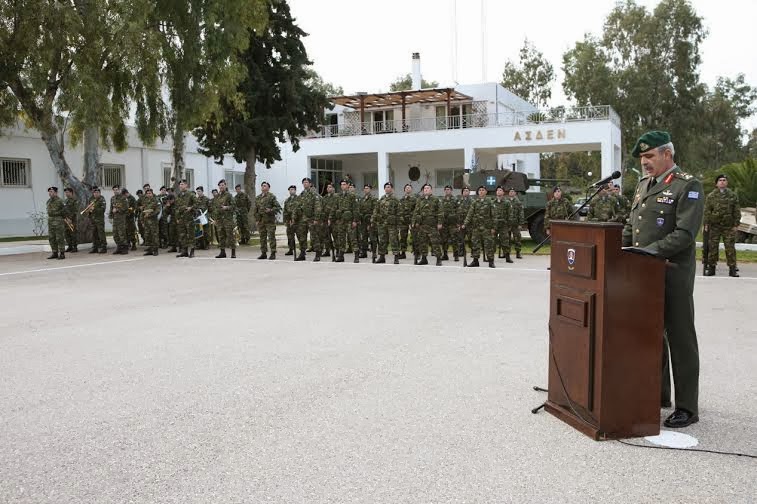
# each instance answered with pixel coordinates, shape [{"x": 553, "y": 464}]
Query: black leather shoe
[
  {"x": 272, "y": 257},
  {"x": 680, "y": 418},
  {"x": 733, "y": 272},
  {"x": 403, "y": 255},
  {"x": 396, "y": 259},
  {"x": 53, "y": 256},
  {"x": 709, "y": 271},
  {"x": 61, "y": 256},
  {"x": 289, "y": 252},
  {"x": 221, "y": 254},
  {"x": 517, "y": 255},
  {"x": 263, "y": 256}
]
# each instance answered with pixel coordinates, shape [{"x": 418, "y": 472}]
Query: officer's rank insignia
[
  {"x": 667, "y": 192},
  {"x": 665, "y": 200},
  {"x": 668, "y": 178},
  {"x": 643, "y": 146},
  {"x": 660, "y": 221}
]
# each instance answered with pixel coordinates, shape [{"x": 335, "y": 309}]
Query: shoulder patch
[{"x": 693, "y": 194}]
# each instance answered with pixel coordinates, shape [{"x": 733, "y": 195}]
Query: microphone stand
[{"x": 570, "y": 217}]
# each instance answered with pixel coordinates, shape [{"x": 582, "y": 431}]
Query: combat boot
[
  {"x": 474, "y": 263},
  {"x": 272, "y": 257},
  {"x": 439, "y": 261},
  {"x": 507, "y": 258},
  {"x": 517, "y": 255},
  {"x": 363, "y": 254},
  {"x": 381, "y": 259},
  {"x": 733, "y": 271},
  {"x": 339, "y": 257},
  {"x": 221, "y": 254},
  {"x": 300, "y": 257},
  {"x": 396, "y": 259},
  {"x": 445, "y": 257},
  {"x": 491, "y": 263},
  {"x": 403, "y": 255},
  {"x": 709, "y": 271},
  {"x": 317, "y": 257},
  {"x": 263, "y": 255},
  {"x": 191, "y": 252},
  {"x": 54, "y": 255},
  {"x": 233, "y": 253},
  {"x": 183, "y": 253},
  {"x": 61, "y": 256},
  {"x": 357, "y": 258},
  {"x": 423, "y": 261},
  {"x": 289, "y": 252}
]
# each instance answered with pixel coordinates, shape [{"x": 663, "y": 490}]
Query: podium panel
[{"x": 605, "y": 329}]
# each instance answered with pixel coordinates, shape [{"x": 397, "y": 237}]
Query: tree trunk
[
  {"x": 250, "y": 183},
  {"x": 177, "y": 172},
  {"x": 91, "y": 171}
]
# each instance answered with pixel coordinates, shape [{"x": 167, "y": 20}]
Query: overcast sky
[{"x": 363, "y": 45}]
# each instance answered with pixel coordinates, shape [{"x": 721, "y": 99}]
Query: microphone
[{"x": 613, "y": 176}]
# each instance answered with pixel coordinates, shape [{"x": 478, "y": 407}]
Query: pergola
[{"x": 366, "y": 101}]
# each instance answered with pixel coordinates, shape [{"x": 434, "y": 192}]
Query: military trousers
[
  {"x": 243, "y": 223},
  {"x": 428, "y": 236},
  {"x": 302, "y": 228},
  {"x": 387, "y": 237},
  {"x": 502, "y": 236},
  {"x": 482, "y": 236},
  {"x": 55, "y": 234},
  {"x": 291, "y": 234},
  {"x": 728, "y": 235},
  {"x": 119, "y": 230},
  {"x": 515, "y": 238},
  {"x": 72, "y": 238},
  {"x": 368, "y": 235},
  {"x": 141, "y": 227},
  {"x": 449, "y": 238},
  {"x": 98, "y": 234},
  {"x": 344, "y": 234},
  {"x": 267, "y": 231},
  {"x": 185, "y": 231},
  {"x": 404, "y": 230},
  {"x": 680, "y": 348},
  {"x": 225, "y": 232},
  {"x": 131, "y": 229},
  {"x": 152, "y": 239},
  {"x": 163, "y": 231},
  {"x": 203, "y": 241},
  {"x": 326, "y": 236}
]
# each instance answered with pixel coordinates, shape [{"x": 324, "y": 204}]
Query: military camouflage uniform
[
  {"x": 481, "y": 221},
  {"x": 149, "y": 215},
  {"x": 71, "y": 212},
  {"x": 291, "y": 226},
  {"x": 604, "y": 209},
  {"x": 184, "y": 207},
  {"x": 721, "y": 214},
  {"x": 557, "y": 209},
  {"x": 97, "y": 214},
  {"x": 140, "y": 217},
  {"x": 407, "y": 209},
  {"x": 309, "y": 211},
  {"x": 266, "y": 209},
  {"x": 242, "y": 204},
  {"x": 367, "y": 236},
  {"x": 328, "y": 204},
  {"x": 623, "y": 208},
  {"x": 55, "y": 234},
  {"x": 169, "y": 212},
  {"x": 427, "y": 215},
  {"x": 386, "y": 217},
  {"x": 345, "y": 213},
  {"x": 131, "y": 227},
  {"x": 203, "y": 205},
  {"x": 463, "y": 205},
  {"x": 501, "y": 209},
  {"x": 516, "y": 220},
  {"x": 449, "y": 232},
  {"x": 225, "y": 219},
  {"x": 119, "y": 209}
]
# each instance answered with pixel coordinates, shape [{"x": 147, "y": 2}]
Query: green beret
[{"x": 650, "y": 140}]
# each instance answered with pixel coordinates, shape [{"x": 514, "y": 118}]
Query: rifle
[{"x": 705, "y": 247}]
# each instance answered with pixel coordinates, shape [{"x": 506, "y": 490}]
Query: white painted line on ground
[{"x": 70, "y": 267}]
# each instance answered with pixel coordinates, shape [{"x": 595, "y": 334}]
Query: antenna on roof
[
  {"x": 454, "y": 41},
  {"x": 483, "y": 40}
]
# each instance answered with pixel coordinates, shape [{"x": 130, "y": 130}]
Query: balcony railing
[{"x": 503, "y": 119}]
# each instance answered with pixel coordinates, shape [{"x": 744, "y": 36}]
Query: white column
[
  {"x": 468, "y": 154},
  {"x": 608, "y": 153},
  {"x": 383, "y": 171}
]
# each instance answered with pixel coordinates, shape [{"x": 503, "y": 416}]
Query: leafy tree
[
  {"x": 279, "y": 99},
  {"x": 742, "y": 178},
  {"x": 750, "y": 149},
  {"x": 405, "y": 83},
  {"x": 532, "y": 77},
  {"x": 327, "y": 88}
]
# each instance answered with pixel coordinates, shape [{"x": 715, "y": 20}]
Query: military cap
[
  {"x": 95, "y": 189},
  {"x": 650, "y": 140},
  {"x": 722, "y": 175},
  {"x": 53, "y": 189},
  {"x": 292, "y": 187},
  {"x": 124, "y": 191},
  {"x": 200, "y": 188}
]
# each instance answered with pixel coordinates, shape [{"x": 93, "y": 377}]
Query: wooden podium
[{"x": 606, "y": 310}]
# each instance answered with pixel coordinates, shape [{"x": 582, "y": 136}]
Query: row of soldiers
[
  {"x": 610, "y": 205},
  {"x": 340, "y": 223}
]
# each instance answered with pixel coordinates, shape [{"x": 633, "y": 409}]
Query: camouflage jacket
[
  {"x": 428, "y": 212},
  {"x": 184, "y": 206},
  {"x": 623, "y": 207},
  {"x": 502, "y": 210},
  {"x": 517, "y": 215},
  {"x": 71, "y": 210},
  {"x": 202, "y": 203},
  {"x": 132, "y": 205},
  {"x": 463, "y": 205},
  {"x": 449, "y": 210},
  {"x": 407, "y": 208},
  {"x": 346, "y": 207},
  {"x": 289, "y": 212},
  {"x": 480, "y": 214},
  {"x": 242, "y": 202},
  {"x": 557, "y": 210},
  {"x": 150, "y": 208},
  {"x": 224, "y": 199},
  {"x": 55, "y": 209},
  {"x": 266, "y": 207},
  {"x": 721, "y": 209},
  {"x": 387, "y": 211},
  {"x": 603, "y": 209},
  {"x": 118, "y": 205},
  {"x": 310, "y": 205},
  {"x": 328, "y": 205},
  {"x": 367, "y": 206}
]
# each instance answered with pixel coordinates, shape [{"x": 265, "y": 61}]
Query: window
[
  {"x": 166, "y": 174},
  {"x": 383, "y": 120},
  {"x": 323, "y": 171},
  {"x": 371, "y": 178},
  {"x": 233, "y": 178},
  {"x": 447, "y": 176},
  {"x": 189, "y": 175},
  {"x": 111, "y": 174},
  {"x": 15, "y": 173}
]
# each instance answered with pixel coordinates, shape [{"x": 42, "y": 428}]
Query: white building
[{"x": 368, "y": 138}]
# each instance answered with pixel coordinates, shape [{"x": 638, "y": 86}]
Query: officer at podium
[{"x": 666, "y": 214}]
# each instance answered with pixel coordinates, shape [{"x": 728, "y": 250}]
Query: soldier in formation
[
  {"x": 149, "y": 210},
  {"x": 55, "y": 214},
  {"x": 328, "y": 205},
  {"x": 95, "y": 210},
  {"x": 605, "y": 207},
  {"x": 223, "y": 208},
  {"x": 71, "y": 214},
  {"x": 266, "y": 209},
  {"x": 184, "y": 208},
  {"x": 242, "y": 205},
  {"x": 558, "y": 208},
  {"x": 407, "y": 208},
  {"x": 119, "y": 210},
  {"x": 502, "y": 209},
  {"x": 366, "y": 232},
  {"x": 721, "y": 220},
  {"x": 131, "y": 214},
  {"x": 463, "y": 205},
  {"x": 385, "y": 219},
  {"x": 516, "y": 220},
  {"x": 289, "y": 223},
  {"x": 624, "y": 206},
  {"x": 450, "y": 226},
  {"x": 344, "y": 219},
  {"x": 427, "y": 220},
  {"x": 308, "y": 216},
  {"x": 480, "y": 220}
]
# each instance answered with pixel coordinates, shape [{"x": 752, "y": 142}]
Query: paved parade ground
[{"x": 164, "y": 380}]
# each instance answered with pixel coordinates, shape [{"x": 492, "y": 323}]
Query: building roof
[{"x": 395, "y": 99}]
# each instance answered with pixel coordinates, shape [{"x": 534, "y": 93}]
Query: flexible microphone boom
[{"x": 613, "y": 176}]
